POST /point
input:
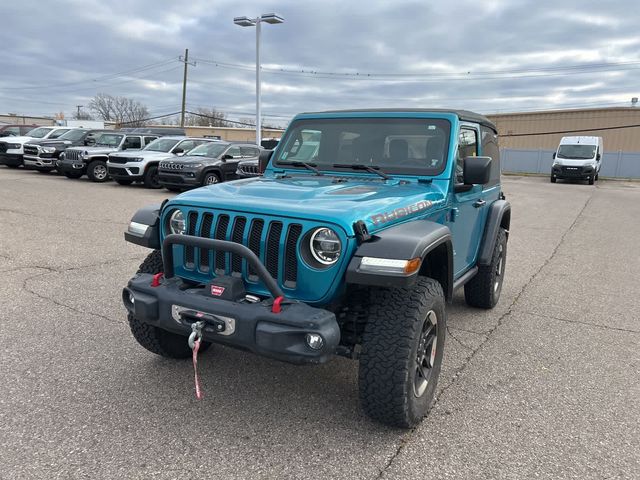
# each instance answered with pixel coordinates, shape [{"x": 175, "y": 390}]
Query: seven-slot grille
[
  {"x": 73, "y": 155},
  {"x": 171, "y": 166},
  {"x": 275, "y": 242}
]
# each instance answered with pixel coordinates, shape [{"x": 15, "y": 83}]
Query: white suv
[
  {"x": 12, "y": 148},
  {"x": 142, "y": 165}
]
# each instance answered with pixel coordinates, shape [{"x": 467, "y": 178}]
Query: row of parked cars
[{"x": 155, "y": 157}]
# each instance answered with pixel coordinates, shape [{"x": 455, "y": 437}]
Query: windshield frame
[
  {"x": 314, "y": 123},
  {"x": 160, "y": 140},
  {"x": 561, "y": 155}
]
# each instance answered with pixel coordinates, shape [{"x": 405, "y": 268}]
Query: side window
[
  {"x": 133, "y": 142},
  {"x": 491, "y": 149},
  {"x": 467, "y": 147},
  {"x": 234, "y": 152},
  {"x": 248, "y": 152},
  {"x": 25, "y": 129},
  {"x": 186, "y": 145},
  {"x": 148, "y": 140},
  {"x": 11, "y": 131},
  {"x": 57, "y": 133}
]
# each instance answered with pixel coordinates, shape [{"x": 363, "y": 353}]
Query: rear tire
[
  {"x": 97, "y": 171},
  {"x": 151, "y": 177},
  {"x": 124, "y": 182},
  {"x": 483, "y": 290},
  {"x": 158, "y": 341},
  {"x": 402, "y": 348}
]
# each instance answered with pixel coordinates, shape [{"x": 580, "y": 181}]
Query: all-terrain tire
[
  {"x": 392, "y": 352},
  {"x": 150, "y": 179},
  {"x": 124, "y": 182},
  {"x": 154, "y": 339},
  {"x": 483, "y": 290},
  {"x": 97, "y": 171}
]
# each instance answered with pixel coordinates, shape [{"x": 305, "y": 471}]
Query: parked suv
[
  {"x": 126, "y": 168},
  {"x": 207, "y": 164},
  {"x": 12, "y": 148},
  {"x": 15, "y": 130},
  {"x": 92, "y": 161},
  {"x": 42, "y": 155},
  {"x": 356, "y": 251}
]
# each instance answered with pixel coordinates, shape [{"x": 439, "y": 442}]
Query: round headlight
[
  {"x": 325, "y": 246},
  {"x": 177, "y": 223}
]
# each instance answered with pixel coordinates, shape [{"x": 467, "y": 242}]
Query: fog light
[
  {"x": 132, "y": 299},
  {"x": 314, "y": 341}
]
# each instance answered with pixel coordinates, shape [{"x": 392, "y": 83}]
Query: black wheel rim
[{"x": 426, "y": 354}]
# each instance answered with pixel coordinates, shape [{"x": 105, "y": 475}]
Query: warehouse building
[{"x": 535, "y": 130}]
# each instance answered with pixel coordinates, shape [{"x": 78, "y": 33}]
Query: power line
[{"x": 602, "y": 129}]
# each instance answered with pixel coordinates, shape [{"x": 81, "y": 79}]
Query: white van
[{"x": 579, "y": 158}]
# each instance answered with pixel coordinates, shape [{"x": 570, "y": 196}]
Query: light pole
[{"x": 271, "y": 18}]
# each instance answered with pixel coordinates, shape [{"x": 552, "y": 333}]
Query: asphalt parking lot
[{"x": 546, "y": 385}]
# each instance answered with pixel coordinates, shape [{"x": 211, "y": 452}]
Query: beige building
[
  {"x": 516, "y": 129},
  {"x": 233, "y": 133},
  {"x": 25, "y": 120}
]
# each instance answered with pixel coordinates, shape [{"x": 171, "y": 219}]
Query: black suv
[
  {"x": 42, "y": 155},
  {"x": 205, "y": 165}
]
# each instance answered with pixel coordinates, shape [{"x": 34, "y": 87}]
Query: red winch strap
[
  {"x": 196, "y": 347},
  {"x": 156, "y": 279},
  {"x": 277, "y": 305}
]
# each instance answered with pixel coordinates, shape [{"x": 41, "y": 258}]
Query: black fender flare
[
  {"x": 423, "y": 239},
  {"x": 149, "y": 216},
  {"x": 499, "y": 216}
]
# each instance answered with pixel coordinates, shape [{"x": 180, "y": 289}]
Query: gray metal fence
[{"x": 614, "y": 164}]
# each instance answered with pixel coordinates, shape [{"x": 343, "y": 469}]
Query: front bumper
[
  {"x": 39, "y": 163},
  {"x": 279, "y": 333},
  {"x": 125, "y": 171},
  {"x": 573, "y": 172},
  {"x": 71, "y": 166},
  {"x": 11, "y": 159},
  {"x": 179, "y": 180}
]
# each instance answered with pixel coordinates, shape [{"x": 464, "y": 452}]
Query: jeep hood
[
  {"x": 93, "y": 150},
  {"x": 376, "y": 202},
  {"x": 143, "y": 154}
]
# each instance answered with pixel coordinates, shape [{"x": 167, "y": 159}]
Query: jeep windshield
[
  {"x": 211, "y": 149},
  {"x": 577, "y": 152},
  {"x": 161, "y": 145},
  {"x": 109, "y": 140},
  {"x": 39, "y": 132},
  {"x": 404, "y": 146}
]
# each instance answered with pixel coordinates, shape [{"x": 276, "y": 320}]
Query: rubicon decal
[{"x": 398, "y": 213}]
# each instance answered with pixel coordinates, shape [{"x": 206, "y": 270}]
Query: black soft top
[{"x": 464, "y": 115}]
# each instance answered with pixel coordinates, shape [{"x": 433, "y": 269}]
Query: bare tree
[
  {"x": 122, "y": 110},
  {"x": 206, "y": 117}
]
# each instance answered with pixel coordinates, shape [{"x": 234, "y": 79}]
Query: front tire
[
  {"x": 402, "y": 349},
  {"x": 210, "y": 178},
  {"x": 158, "y": 341},
  {"x": 151, "y": 177},
  {"x": 483, "y": 290},
  {"x": 553, "y": 179},
  {"x": 97, "y": 171},
  {"x": 591, "y": 179}
]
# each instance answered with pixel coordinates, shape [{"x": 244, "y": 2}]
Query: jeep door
[{"x": 469, "y": 206}]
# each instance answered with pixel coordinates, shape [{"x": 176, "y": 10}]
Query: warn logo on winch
[
  {"x": 398, "y": 213},
  {"x": 216, "y": 290}
]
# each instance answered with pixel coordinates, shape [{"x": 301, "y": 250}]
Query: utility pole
[
  {"x": 185, "y": 60},
  {"x": 78, "y": 114}
]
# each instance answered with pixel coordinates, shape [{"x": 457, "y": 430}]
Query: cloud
[{"x": 56, "y": 55}]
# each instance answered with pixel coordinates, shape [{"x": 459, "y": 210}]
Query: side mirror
[
  {"x": 226, "y": 156},
  {"x": 477, "y": 170},
  {"x": 178, "y": 151},
  {"x": 125, "y": 145},
  {"x": 598, "y": 157},
  {"x": 263, "y": 160},
  {"x": 554, "y": 155}
]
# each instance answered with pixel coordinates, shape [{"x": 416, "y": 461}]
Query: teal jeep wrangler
[{"x": 352, "y": 243}]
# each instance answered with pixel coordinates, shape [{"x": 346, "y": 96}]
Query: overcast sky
[{"x": 484, "y": 55}]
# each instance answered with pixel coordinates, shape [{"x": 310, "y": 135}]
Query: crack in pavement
[
  {"x": 458, "y": 372},
  {"x": 560, "y": 319},
  {"x": 49, "y": 270},
  {"x": 449, "y": 333}
]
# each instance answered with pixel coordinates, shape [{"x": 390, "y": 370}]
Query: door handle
[{"x": 479, "y": 203}]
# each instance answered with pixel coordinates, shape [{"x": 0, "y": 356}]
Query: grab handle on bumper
[{"x": 224, "y": 245}]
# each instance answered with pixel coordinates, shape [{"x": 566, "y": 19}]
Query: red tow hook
[
  {"x": 277, "y": 305},
  {"x": 156, "y": 279}
]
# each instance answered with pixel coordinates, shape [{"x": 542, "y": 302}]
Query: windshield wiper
[
  {"x": 359, "y": 166},
  {"x": 308, "y": 166}
]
